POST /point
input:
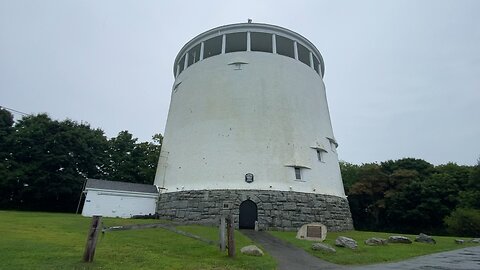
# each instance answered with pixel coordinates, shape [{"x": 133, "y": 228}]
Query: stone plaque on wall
[{"x": 313, "y": 232}]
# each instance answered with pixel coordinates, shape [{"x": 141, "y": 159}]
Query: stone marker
[
  {"x": 312, "y": 231},
  {"x": 459, "y": 241},
  {"x": 343, "y": 241},
  {"x": 323, "y": 247},
  {"x": 423, "y": 238},
  {"x": 251, "y": 250},
  {"x": 399, "y": 239},
  {"x": 376, "y": 241}
]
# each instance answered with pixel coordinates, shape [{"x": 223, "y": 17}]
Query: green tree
[
  {"x": 51, "y": 160},
  {"x": 148, "y": 153},
  {"x": 423, "y": 168},
  {"x": 470, "y": 196},
  {"x": 422, "y": 203},
  {"x": 6, "y": 130},
  {"x": 367, "y": 197},
  {"x": 44, "y": 163},
  {"x": 349, "y": 174},
  {"x": 130, "y": 161},
  {"x": 464, "y": 222}
]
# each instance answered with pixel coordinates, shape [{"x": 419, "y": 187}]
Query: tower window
[
  {"x": 236, "y": 42},
  {"x": 303, "y": 54},
  {"x": 298, "y": 173},
  {"x": 285, "y": 46},
  {"x": 316, "y": 63},
  {"x": 212, "y": 47},
  {"x": 333, "y": 146},
  {"x": 320, "y": 153},
  {"x": 261, "y": 42},
  {"x": 194, "y": 55},
  {"x": 181, "y": 64}
]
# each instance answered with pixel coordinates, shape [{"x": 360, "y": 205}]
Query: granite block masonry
[{"x": 277, "y": 210}]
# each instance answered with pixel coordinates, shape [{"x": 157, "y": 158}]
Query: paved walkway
[
  {"x": 290, "y": 257},
  {"x": 460, "y": 259}
]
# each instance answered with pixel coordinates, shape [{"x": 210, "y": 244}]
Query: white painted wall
[
  {"x": 114, "y": 203},
  {"x": 262, "y": 119}
]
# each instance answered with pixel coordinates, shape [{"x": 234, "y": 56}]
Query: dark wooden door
[{"x": 248, "y": 215}]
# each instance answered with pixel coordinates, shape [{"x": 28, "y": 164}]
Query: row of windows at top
[{"x": 248, "y": 41}]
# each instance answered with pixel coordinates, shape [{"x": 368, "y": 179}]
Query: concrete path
[{"x": 290, "y": 257}]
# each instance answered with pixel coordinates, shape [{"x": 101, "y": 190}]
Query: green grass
[
  {"x": 371, "y": 254},
  {"x": 33, "y": 240}
]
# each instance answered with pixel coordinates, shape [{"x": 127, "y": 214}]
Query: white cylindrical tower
[{"x": 249, "y": 133}]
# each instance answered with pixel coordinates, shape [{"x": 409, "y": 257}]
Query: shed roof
[{"x": 117, "y": 185}]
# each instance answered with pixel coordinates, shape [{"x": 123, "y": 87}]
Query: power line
[{"x": 13, "y": 110}]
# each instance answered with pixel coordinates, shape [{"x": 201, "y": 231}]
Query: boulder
[
  {"x": 459, "y": 241},
  {"x": 399, "y": 239},
  {"x": 251, "y": 250},
  {"x": 323, "y": 247},
  {"x": 475, "y": 240},
  {"x": 376, "y": 241},
  {"x": 423, "y": 238},
  {"x": 343, "y": 241},
  {"x": 312, "y": 232}
]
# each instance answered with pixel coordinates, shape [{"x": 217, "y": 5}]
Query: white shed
[{"x": 119, "y": 199}]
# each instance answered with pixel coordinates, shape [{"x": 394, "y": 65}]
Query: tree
[
  {"x": 51, "y": 160},
  {"x": 470, "y": 196},
  {"x": 6, "y": 130},
  {"x": 464, "y": 222},
  {"x": 130, "y": 161},
  {"x": 349, "y": 174},
  {"x": 367, "y": 197},
  {"x": 148, "y": 153},
  {"x": 44, "y": 163},
  {"x": 423, "y": 168},
  {"x": 423, "y": 203}
]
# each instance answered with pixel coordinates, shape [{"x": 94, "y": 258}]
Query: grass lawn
[
  {"x": 372, "y": 254},
  {"x": 35, "y": 240}
]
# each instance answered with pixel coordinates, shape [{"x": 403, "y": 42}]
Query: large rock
[
  {"x": 475, "y": 240},
  {"x": 323, "y": 247},
  {"x": 459, "y": 241},
  {"x": 251, "y": 250},
  {"x": 343, "y": 241},
  {"x": 376, "y": 241},
  {"x": 399, "y": 239},
  {"x": 423, "y": 238},
  {"x": 312, "y": 232}
]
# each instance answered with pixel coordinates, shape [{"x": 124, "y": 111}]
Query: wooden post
[
  {"x": 221, "y": 230},
  {"x": 230, "y": 234},
  {"x": 92, "y": 237}
]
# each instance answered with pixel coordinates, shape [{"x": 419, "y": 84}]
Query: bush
[{"x": 464, "y": 222}]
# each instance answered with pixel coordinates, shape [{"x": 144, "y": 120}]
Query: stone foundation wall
[{"x": 277, "y": 210}]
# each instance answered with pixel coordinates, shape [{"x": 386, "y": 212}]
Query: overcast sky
[{"x": 402, "y": 77}]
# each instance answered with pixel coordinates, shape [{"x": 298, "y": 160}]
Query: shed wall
[{"x": 118, "y": 204}]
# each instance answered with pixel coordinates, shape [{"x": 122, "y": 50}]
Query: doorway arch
[{"x": 248, "y": 215}]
